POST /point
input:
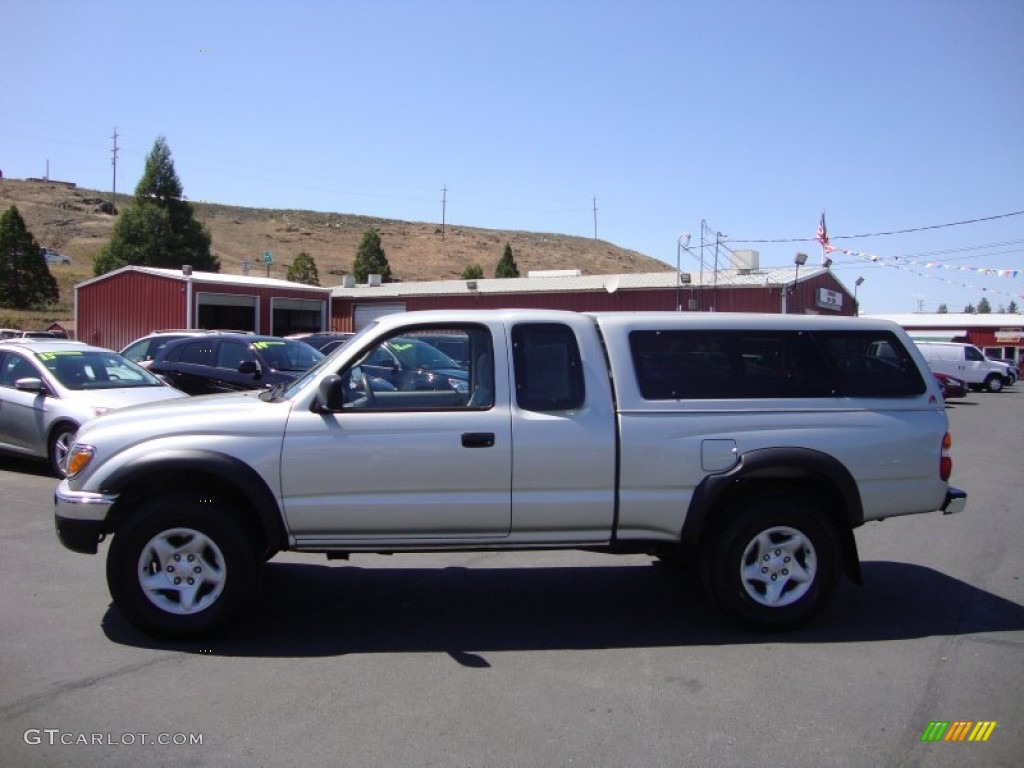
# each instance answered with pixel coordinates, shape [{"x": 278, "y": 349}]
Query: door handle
[{"x": 477, "y": 439}]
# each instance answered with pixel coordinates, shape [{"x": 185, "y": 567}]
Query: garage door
[
  {"x": 296, "y": 316},
  {"x": 227, "y": 312},
  {"x": 367, "y": 313}
]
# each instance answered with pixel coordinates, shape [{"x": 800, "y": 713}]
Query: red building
[
  {"x": 114, "y": 309},
  {"x": 777, "y": 290},
  {"x": 996, "y": 334}
]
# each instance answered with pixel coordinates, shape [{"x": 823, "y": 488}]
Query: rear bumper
[{"x": 955, "y": 502}]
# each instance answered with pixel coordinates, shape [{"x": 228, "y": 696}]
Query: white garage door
[{"x": 367, "y": 313}]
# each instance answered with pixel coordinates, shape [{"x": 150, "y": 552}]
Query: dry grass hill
[{"x": 70, "y": 220}]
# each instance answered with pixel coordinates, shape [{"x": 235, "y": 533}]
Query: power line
[{"x": 892, "y": 232}]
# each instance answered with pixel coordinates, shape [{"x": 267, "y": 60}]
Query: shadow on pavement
[{"x": 308, "y": 610}]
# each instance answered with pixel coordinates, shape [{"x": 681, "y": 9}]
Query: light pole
[
  {"x": 679, "y": 250},
  {"x": 856, "y": 284},
  {"x": 798, "y": 261}
]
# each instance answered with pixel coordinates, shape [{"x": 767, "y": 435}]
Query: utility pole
[
  {"x": 444, "y": 207},
  {"x": 113, "y": 162},
  {"x": 595, "y": 218}
]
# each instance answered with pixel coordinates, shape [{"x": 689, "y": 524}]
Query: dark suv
[{"x": 228, "y": 362}]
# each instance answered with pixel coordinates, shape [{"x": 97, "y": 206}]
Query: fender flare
[
  {"x": 235, "y": 472},
  {"x": 780, "y": 463}
]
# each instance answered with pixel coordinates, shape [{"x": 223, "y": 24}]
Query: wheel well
[
  {"x": 801, "y": 483},
  {"x": 57, "y": 425},
  {"x": 194, "y": 482}
]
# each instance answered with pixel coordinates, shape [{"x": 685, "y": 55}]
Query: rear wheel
[
  {"x": 776, "y": 565},
  {"x": 182, "y": 567}
]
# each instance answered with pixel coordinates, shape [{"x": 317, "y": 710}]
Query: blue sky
[{"x": 751, "y": 116}]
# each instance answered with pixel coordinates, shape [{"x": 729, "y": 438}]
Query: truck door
[
  {"x": 428, "y": 459},
  {"x": 563, "y": 433}
]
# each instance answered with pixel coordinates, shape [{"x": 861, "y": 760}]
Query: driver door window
[{"x": 410, "y": 371}]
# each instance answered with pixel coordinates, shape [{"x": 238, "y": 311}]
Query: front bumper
[
  {"x": 80, "y": 517},
  {"x": 955, "y": 502}
]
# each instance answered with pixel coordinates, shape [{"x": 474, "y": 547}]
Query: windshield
[
  {"x": 96, "y": 369},
  {"x": 295, "y": 386},
  {"x": 414, "y": 354},
  {"x": 285, "y": 355}
]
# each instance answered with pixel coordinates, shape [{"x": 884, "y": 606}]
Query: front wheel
[
  {"x": 59, "y": 447},
  {"x": 776, "y": 565},
  {"x": 994, "y": 384},
  {"x": 181, "y": 567}
]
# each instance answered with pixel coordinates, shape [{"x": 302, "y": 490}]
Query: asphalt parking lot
[{"x": 534, "y": 659}]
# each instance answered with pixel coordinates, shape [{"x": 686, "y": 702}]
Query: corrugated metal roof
[
  {"x": 216, "y": 278},
  {"x": 611, "y": 283}
]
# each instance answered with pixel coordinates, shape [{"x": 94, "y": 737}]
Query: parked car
[
  {"x": 411, "y": 364},
  {"x": 52, "y": 257},
  {"x": 15, "y": 333},
  {"x": 229, "y": 362},
  {"x": 598, "y": 431},
  {"x": 142, "y": 351},
  {"x": 455, "y": 346},
  {"x": 952, "y": 387},
  {"x": 965, "y": 362},
  {"x": 49, "y": 388},
  {"x": 325, "y": 341}
]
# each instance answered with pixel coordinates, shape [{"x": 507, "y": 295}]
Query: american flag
[{"x": 822, "y": 236}]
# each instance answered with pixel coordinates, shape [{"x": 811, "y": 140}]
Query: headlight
[
  {"x": 459, "y": 385},
  {"x": 79, "y": 458}
]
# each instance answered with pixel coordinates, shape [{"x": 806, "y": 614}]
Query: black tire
[
  {"x": 182, "y": 537},
  {"x": 58, "y": 447},
  {"x": 994, "y": 383},
  {"x": 798, "y": 564}
]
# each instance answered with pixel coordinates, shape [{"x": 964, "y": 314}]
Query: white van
[{"x": 964, "y": 361}]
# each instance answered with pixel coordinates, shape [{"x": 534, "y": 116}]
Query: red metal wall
[
  {"x": 113, "y": 312},
  {"x": 723, "y": 299}
]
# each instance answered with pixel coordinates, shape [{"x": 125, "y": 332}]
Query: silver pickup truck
[{"x": 751, "y": 445}]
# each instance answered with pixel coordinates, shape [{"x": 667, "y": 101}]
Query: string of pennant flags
[{"x": 913, "y": 265}]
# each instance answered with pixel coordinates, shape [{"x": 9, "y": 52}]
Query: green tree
[
  {"x": 969, "y": 309},
  {"x": 303, "y": 270},
  {"x": 25, "y": 279},
  {"x": 370, "y": 258},
  {"x": 159, "y": 229},
  {"x": 1012, "y": 307},
  {"x": 984, "y": 308},
  {"x": 943, "y": 309},
  {"x": 473, "y": 272},
  {"x": 507, "y": 265}
]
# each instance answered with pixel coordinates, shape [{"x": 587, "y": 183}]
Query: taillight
[{"x": 946, "y": 461}]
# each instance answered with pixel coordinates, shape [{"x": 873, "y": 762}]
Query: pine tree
[
  {"x": 159, "y": 229},
  {"x": 25, "y": 279},
  {"x": 370, "y": 258},
  {"x": 984, "y": 308},
  {"x": 303, "y": 270},
  {"x": 507, "y": 266}
]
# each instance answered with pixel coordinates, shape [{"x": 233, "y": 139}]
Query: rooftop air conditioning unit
[
  {"x": 746, "y": 261},
  {"x": 348, "y": 281},
  {"x": 373, "y": 281}
]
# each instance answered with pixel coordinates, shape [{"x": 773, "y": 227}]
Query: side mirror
[
  {"x": 329, "y": 395},
  {"x": 249, "y": 367},
  {"x": 31, "y": 384}
]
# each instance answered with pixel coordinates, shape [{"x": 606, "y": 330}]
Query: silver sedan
[{"x": 49, "y": 388}]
